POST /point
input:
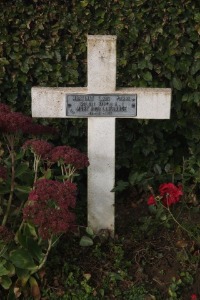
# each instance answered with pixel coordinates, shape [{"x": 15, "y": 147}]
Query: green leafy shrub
[
  {"x": 44, "y": 43},
  {"x": 37, "y": 197}
]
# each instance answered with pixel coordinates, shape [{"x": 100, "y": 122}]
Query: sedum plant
[{"x": 37, "y": 197}]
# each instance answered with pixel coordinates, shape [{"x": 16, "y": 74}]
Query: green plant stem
[
  {"x": 10, "y": 140},
  {"x": 19, "y": 229},
  {"x": 36, "y": 165},
  {"x": 70, "y": 172},
  {"x": 2, "y": 250},
  {"x": 50, "y": 245},
  {"x": 45, "y": 256},
  {"x": 62, "y": 171},
  {"x": 181, "y": 226}
]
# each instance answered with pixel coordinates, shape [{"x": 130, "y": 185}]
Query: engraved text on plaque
[{"x": 106, "y": 105}]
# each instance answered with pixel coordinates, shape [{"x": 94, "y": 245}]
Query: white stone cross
[{"x": 152, "y": 103}]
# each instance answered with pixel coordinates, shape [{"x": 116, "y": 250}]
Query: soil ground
[{"x": 165, "y": 261}]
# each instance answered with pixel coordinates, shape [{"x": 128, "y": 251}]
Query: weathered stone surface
[
  {"x": 152, "y": 103},
  {"x": 101, "y": 63}
]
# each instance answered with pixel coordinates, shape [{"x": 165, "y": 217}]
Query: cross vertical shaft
[
  {"x": 101, "y": 134},
  {"x": 151, "y": 103}
]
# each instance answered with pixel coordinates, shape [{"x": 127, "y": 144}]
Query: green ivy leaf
[
  {"x": 21, "y": 169},
  {"x": 197, "y": 17},
  {"x": 22, "y": 259},
  {"x": 23, "y": 274},
  {"x": 86, "y": 241},
  {"x": 196, "y": 67},
  {"x": 3, "y": 61},
  {"x": 163, "y": 217},
  {"x": 89, "y": 231},
  {"x": 167, "y": 168},
  {"x": 84, "y": 3},
  {"x": 120, "y": 186},
  {"x": 35, "y": 249},
  {"x": 3, "y": 270},
  {"x": 177, "y": 84},
  {"x": 157, "y": 169},
  {"x": 48, "y": 174},
  {"x": 11, "y": 268},
  {"x": 19, "y": 155},
  {"x": 153, "y": 209},
  {"x": 6, "y": 282},
  {"x": 115, "y": 276},
  {"x": 23, "y": 189},
  {"x": 147, "y": 76},
  {"x": 11, "y": 295},
  {"x": 136, "y": 177},
  {"x": 21, "y": 239},
  {"x": 185, "y": 98},
  {"x": 30, "y": 230},
  {"x": 4, "y": 190}
]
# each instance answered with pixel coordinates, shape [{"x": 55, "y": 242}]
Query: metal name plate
[{"x": 101, "y": 105}]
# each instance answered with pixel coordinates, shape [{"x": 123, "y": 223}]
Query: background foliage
[{"x": 44, "y": 43}]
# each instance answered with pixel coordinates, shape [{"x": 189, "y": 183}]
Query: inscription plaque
[{"x": 101, "y": 105}]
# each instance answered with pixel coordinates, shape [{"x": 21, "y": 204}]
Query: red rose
[
  {"x": 151, "y": 200},
  {"x": 193, "y": 297},
  {"x": 170, "y": 193}
]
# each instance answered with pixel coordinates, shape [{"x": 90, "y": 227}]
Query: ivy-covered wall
[{"x": 44, "y": 43}]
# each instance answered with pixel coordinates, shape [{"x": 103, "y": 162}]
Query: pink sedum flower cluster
[
  {"x": 169, "y": 194},
  {"x": 49, "y": 207},
  {"x": 63, "y": 154},
  {"x": 69, "y": 156},
  {"x": 13, "y": 122},
  {"x": 39, "y": 147},
  {"x": 16, "y": 122},
  {"x": 4, "y": 108}
]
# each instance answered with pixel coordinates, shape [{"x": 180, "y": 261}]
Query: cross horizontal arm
[{"x": 152, "y": 103}]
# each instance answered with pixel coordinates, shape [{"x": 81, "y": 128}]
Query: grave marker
[{"x": 101, "y": 103}]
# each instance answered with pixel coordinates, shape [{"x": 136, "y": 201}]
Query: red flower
[
  {"x": 151, "y": 200},
  {"x": 4, "y": 108},
  {"x": 49, "y": 207},
  {"x": 193, "y": 297},
  {"x": 39, "y": 147},
  {"x": 13, "y": 122},
  {"x": 70, "y": 156},
  {"x": 170, "y": 193}
]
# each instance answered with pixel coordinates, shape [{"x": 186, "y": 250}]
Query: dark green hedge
[{"x": 44, "y": 43}]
